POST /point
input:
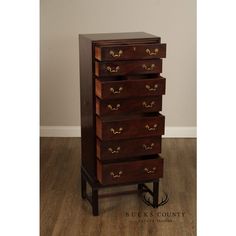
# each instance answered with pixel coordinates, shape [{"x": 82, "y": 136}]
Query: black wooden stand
[{"x": 93, "y": 198}]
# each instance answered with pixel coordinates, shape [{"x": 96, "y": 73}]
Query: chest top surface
[{"x": 127, "y": 36}]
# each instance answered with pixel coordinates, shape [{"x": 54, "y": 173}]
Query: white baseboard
[
  {"x": 60, "y": 131},
  {"x": 180, "y": 132},
  {"x": 75, "y": 131}
]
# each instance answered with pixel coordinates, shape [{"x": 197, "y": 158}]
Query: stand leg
[
  {"x": 95, "y": 202},
  {"x": 155, "y": 193},
  {"x": 139, "y": 187},
  {"x": 83, "y": 186}
]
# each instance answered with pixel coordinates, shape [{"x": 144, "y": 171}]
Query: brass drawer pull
[
  {"x": 149, "y": 88},
  {"x": 151, "y": 128},
  {"x": 114, "y": 151},
  {"x": 116, "y": 132},
  {"x": 113, "y": 54},
  {"x": 114, "y": 108},
  {"x": 116, "y": 91},
  {"x": 148, "y": 147},
  {"x": 148, "y": 51},
  {"x": 116, "y": 176},
  {"x": 151, "y": 104},
  {"x": 150, "y": 171},
  {"x": 113, "y": 70},
  {"x": 148, "y": 68}
]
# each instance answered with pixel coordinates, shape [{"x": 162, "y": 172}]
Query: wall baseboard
[
  {"x": 60, "y": 131},
  {"x": 75, "y": 131},
  {"x": 180, "y": 132}
]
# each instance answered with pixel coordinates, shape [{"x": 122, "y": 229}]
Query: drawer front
[
  {"x": 120, "y": 106},
  {"x": 130, "y": 88},
  {"x": 126, "y": 52},
  {"x": 133, "y": 171},
  {"x": 112, "y": 150},
  {"x": 128, "y": 67},
  {"x": 130, "y": 128}
]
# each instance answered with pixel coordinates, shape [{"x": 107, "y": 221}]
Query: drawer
[
  {"x": 129, "y": 52},
  {"x": 130, "y": 88},
  {"x": 128, "y": 67},
  {"x": 121, "y": 106},
  {"x": 130, "y": 127},
  {"x": 128, "y": 172},
  {"x": 112, "y": 150}
]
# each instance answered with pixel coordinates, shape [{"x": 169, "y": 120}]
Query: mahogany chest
[{"x": 121, "y": 99}]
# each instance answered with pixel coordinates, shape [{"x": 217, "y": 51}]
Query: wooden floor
[{"x": 63, "y": 212}]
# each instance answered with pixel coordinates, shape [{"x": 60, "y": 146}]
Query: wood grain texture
[
  {"x": 128, "y": 67},
  {"x": 130, "y": 171},
  {"x": 130, "y": 127},
  {"x": 149, "y": 69},
  {"x": 63, "y": 212},
  {"x": 130, "y": 88},
  {"x": 130, "y": 52},
  {"x": 131, "y": 37},
  {"x": 125, "y": 106},
  {"x": 87, "y": 90},
  {"x": 115, "y": 150}
]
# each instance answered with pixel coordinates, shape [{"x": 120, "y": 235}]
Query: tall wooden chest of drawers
[{"x": 121, "y": 99}]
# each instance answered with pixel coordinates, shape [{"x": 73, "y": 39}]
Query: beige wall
[{"x": 63, "y": 20}]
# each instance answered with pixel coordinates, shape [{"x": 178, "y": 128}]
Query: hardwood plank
[{"x": 63, "y": 212}]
